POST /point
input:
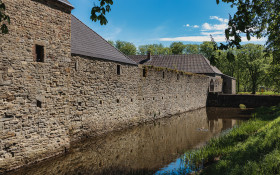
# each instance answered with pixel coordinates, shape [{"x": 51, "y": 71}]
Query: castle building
[
  {"x": 61, "y": 82},
  {"x": 194, "y": 63}
]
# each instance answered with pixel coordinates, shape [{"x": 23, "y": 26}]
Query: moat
[{"x": 150, "y": 148}]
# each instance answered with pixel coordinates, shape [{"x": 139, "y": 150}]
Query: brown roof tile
[
  {"x": 84, "y": 41},
  {"x": 188, "y": 63}
]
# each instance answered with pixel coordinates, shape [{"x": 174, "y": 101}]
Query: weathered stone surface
[{"x": 45, "y": 107}]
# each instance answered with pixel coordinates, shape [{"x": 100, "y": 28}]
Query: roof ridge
[
  {"x": 104, "y": 40},
  {"x": 66, "y": 3},
  {"x": 205, "y": 59}
]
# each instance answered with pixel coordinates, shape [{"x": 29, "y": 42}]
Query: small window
[
  {"x": 131, "y": 100},
  {"x": 101, "y": 102},
  {"x": 144, "y": 72},
  {"x": 163, "y": 75},
  {"x": 212, "y": 86},
  {"x": 118, "y": 101},
  {"x": 178, "y": 76},
  {"x": 39, "y": 104},
  {"x": 40, "y": 53},
  {"x": 118, "y": 69}
]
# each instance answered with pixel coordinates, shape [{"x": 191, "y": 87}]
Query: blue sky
[{"x": 160, "y": 21}]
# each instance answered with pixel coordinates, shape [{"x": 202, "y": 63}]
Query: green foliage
[
  {"x": 256, "y": 18},
  {"x": 251, "y": 148},
  {"x": 191, "y": 49},
  {"x": 111, "y": 42},
  {"x": 252, "y": 59},
  {"x": 155, "y": 49},
  {"x": 126, "y": 48},
  {"x": 249, "y": 64},
  {"x": 99, "y": 11},
  {"x": 273, "y": 78},
  {"x": 207, "y": 49},
  {"x": 177, "y": 47},
  {"x": 4, "y": 19}
]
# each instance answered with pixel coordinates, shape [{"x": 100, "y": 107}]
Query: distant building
[{"x": 194, "y": 63}]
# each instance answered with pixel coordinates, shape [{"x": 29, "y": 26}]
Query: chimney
[{"x": 149, "y": 55}]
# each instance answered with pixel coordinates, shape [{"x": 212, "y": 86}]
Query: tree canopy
[
  {"x": 177, "y": 47},
  {"x": 154, "y": 49},
  {"x": 99, "y": 11},
  {"x": 255, "y": 18},
  {"x": 125, "y": 47}
]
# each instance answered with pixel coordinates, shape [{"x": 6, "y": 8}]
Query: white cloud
[
  {"x": 212, "y": 33},
  {"x": 207, "y": 27},
  {"x": 188, "y": 25},
  {"x": 219, "y": 19},
  {"x": 217, "y": 38}
]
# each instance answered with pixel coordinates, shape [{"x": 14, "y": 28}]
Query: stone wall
[
  {"x": 102, "y": 101},
  {"x": 27, "y": 132},
  {"x": 229, "y": 85},
  {"x": 44, "y": 107},
  {"x": 217, "y": 83},
  {"x": 92, "y": 100}
]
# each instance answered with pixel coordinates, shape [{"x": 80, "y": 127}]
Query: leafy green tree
[
  {"x": 207, "y": 48},
  {"x": 191, "y": 49},
  {"x": 4, "y": 19},
  {"x": 99, "y": 11},
  {"x": 177, "y": 47},
  {"x": 273, "y": 78},
  {"x": 126, "y": 47},
  {"x": 111, "y": 42},
  {"x": 155, "y": 49},
  {"x": 252, "y": 59},
  {"x": 255, "y": 18}
]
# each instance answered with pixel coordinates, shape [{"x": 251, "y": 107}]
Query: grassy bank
[
  {"x": 260, "y": 93},
  {"x": 252, "y": 148}
]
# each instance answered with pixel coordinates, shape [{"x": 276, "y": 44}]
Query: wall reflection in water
[{"x": 143, "y": 149}]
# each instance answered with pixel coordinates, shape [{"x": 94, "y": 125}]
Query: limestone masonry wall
[{"x": 44, "y": 107}]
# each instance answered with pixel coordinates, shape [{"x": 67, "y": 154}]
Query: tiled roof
[
  {"x": 66, "y": 2},
  {"x": 85, "y": 41},
  {"x": 187, "y": 63}
]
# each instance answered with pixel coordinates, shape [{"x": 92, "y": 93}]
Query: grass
[
  {"x": 252, "y": 148},
  {"x": 261, "y": 93}
]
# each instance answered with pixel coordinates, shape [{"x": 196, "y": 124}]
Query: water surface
[{"x": 147, "y": 149}]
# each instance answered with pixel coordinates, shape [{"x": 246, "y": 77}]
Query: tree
[
  {"x": 273, "y": 78},
  {"x": 155, "y": 49},
  {"x": 252, "y": 59},
  {"x": 255, "y": 18},
  {"x": 207, "y": 49},
  {"x": 98, "y": 12},
  {"x": 4, "y": 19},
  {"x": 126, "y": 48},
  {"x": 192, "y": 49},
  {"x": 111, "y": 42},
  {"x": 177, "y": 47}
]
